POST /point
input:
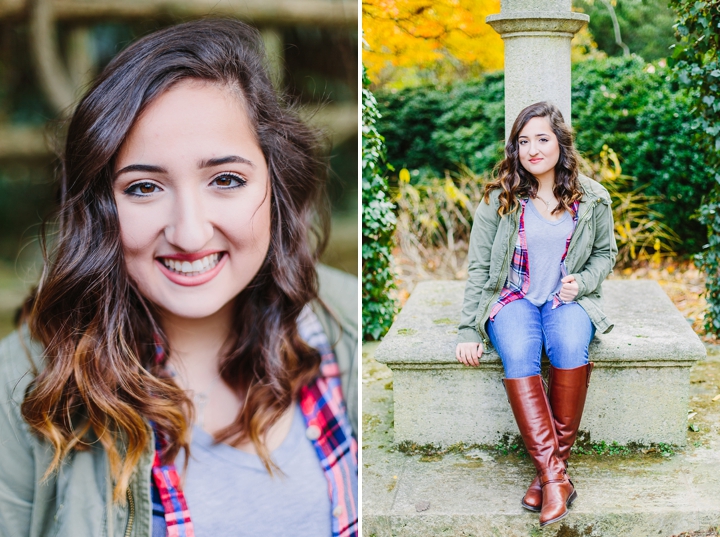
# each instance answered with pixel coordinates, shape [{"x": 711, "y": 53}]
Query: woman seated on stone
[
  {"x": 542, "y": 243},
  {"x": 179, "y": 328}
]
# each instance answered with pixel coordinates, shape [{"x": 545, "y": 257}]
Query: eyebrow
[
  {"x": 540, "y": 134},
  {"x": 209, "y": 163},
  {"x": 234, "y": 159},
  {"x": 140, "y": 168}
]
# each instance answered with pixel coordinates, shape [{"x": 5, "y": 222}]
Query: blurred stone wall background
[{"x": 51, "y": 49}]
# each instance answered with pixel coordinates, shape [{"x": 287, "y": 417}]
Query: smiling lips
[
  {"x": 191, "y": 269},
  {"x": 194, "y": 268}
]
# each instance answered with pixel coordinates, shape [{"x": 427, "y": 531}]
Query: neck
[
  {"x": 196, "y": 345},
  {"x": 546, "y": 182}
]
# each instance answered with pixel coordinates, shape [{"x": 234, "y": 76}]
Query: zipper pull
[{"x": 131, "y": 515}]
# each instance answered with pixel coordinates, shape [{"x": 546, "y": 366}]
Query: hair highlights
[
  {"x": 103, "y": 381},
  {"x": 515, "y": 181}
]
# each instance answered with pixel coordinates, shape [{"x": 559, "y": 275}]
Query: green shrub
[
  {"x": 634, "y": 108},
  {"x": 436, "y": 129},
  {"x": 378, "y": 224},
  {"x": 625, "y": 103},
  {"x": 640, "y": 232}
]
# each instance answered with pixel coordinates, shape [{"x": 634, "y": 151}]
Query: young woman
[
  {"x": 542, "y": 242},
  {"x": 179, "y": 328}
]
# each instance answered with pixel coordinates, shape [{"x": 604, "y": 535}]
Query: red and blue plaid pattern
[
  {"x": 328, "y": 427},
  {"x": 167, "y": 483},
  {"x": 323, "y": 406},
  {"x": 517, "y": 282}
]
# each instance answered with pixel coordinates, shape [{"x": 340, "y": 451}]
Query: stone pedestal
[
  {"x": 638, "y": 391},
  {"x": 537, "y": 35}
]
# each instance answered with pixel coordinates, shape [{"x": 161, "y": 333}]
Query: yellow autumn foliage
[{"x": 449, "y": 37}]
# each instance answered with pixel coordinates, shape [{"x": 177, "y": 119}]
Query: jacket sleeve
[
  {"x": 338, "y": 291},
  {"x": 17, "y": 464},
  {"x": 604, "y": 250},
  {"x": 482, "y": 237}
]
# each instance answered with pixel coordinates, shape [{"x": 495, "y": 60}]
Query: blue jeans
[{"x": 520, "y": 330}]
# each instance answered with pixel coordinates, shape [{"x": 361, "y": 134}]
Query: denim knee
[
  {"x": 516, "y": 334},
  {"x": 567, "y": 354},
  {"x": 568, "y": 348},
  {"x": 520, "y": 359}
]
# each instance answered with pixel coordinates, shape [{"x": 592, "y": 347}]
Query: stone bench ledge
[
  {"x": 648, "y": 328},
  {"x": 639, "y": 390}
]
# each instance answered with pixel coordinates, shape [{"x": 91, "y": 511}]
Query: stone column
[{"x": 537, "y": 36}]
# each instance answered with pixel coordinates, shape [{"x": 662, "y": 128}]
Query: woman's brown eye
[
  {"x": 229, "y": 180},
  {"x": 142, "y": 189}
]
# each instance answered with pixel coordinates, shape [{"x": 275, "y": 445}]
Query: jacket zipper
[{"x": 131, "y": 517}]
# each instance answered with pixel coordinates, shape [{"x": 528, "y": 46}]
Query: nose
[
  {"x": 189, "y": 227},
  {"x": 532, "y": 149}
]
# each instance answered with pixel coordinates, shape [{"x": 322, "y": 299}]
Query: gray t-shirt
[
  {"x": 546, "y": 245},
  {"x": 230, "y": 493}
]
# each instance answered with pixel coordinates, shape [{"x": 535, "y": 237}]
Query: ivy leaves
[
  {"x": 378, "y": 224},
  {"x": 696, "y": 64}
]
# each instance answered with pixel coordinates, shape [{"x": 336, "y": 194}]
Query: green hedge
[
  {"x": 696, "y": 61},
  {"x": 378, "y": 224},
  {"x": 626, "y": 103},
  {"x": 647, "y": 120},
  {"x": 435, "y": 129}
]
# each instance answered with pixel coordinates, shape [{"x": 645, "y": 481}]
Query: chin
[{"x": 196, "y": 310}]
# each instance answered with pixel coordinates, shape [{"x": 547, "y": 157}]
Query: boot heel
[{"x": 571, "y": 499}]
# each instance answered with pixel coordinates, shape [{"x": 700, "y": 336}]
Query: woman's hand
[
  {"x": 469, "y": 353},
  {"x": 569, "y": 289}
]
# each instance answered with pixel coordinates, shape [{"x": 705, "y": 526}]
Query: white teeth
[{"x": 192, "y": 269}]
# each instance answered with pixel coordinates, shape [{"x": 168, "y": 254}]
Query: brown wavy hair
[
  {"x": 516, "y": 182},
  {"x": 103, "y": 381}
]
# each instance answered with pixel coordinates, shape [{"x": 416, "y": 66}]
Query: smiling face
[
  {"x": 539, "y": 149},
  {"x": 193, "y": 197}
]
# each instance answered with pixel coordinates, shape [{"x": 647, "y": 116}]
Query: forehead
[
  {"x": 536, "y": 126},
  {"x": 191, "y": 119}
]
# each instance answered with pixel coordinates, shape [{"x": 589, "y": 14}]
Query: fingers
[
  {"x": 569, "y": 278},
  {"x": 458, "y": 355},
  {"x": 569, "y": 290},
  {"x": 468, "y": 353}
]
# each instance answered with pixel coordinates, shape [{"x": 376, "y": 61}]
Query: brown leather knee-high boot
[
  {"x": 534, "y": 418},
  {"x": 567, "y": 394}
]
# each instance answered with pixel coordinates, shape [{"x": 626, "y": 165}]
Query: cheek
[
  {"x": 247, "y": 226},
  {"x": 556, "y": 154},
  {"x": 138, "y": 229}
]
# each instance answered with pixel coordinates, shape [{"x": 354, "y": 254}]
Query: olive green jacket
[
  {"x": 76, "y": 500},
  {"x": 590, "y": 258}
]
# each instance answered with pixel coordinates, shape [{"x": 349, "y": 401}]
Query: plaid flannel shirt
[
  {"x": 517, "y": 282},
  {"x": 323, "y": 408}
]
